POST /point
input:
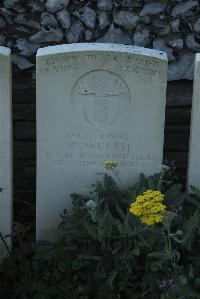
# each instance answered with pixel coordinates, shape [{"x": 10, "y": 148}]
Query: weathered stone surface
[
  {"x": 104, "y": 93},
  {"x": 47, "y": 34},
  {"x": 36, "y": 6},
  {"x": 196, "y": 26},
  {"x": 9, "y": 44},
  {"x": 160, "y": 45},
  {"x": 23, "y": 19},
  {"x": 55, "y": 5},
  {"x": 176, "y": 42},
  {"x": 64, "y": 18},
  {"x": 48, "y": 19},
  {"x": 194, "y": 161},
  {"x": 126, "y": 19},
  {"x": 115, "y": 35},
  {"x": 142, "y": 37},
  {"x": 88, "y": 35},
  {"x": 161, "y": 27},
  {"x": 2, "y": 23},
  {"x": 5, "y": 148},
  {"x": 15, "y": 5},
  {"x": 191, "y": 43},
  {"x": 103, "y": 20},
  {"x": 2, "y": 40},
  {"x": 22, "y": 62},
  {"x": 131, "y": 3},
  {"x": 104, "y": 4},
  {"x": 182, "y": 68},
  {"x": 146, "y": 20},
  {"x": 75, "y": 32},
  {"x": 25, "y": 48},
  {"x": 175, "y": 25},
  {"x": 7, "y": 14},
  {"x": 183, "y": 7},
  {"x": 10, "y": 3},
  {"x": 24, "y": 31},
  {"x": 153, "y": 8},
  {"x": 87, "y": 15}
]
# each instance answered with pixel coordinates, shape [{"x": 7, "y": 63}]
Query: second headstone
[
  {"x": 5, "y": 149},
  {"x": 194, "y": 160}
]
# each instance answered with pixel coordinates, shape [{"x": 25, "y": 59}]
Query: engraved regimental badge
[{"x": 101, "y": 97}]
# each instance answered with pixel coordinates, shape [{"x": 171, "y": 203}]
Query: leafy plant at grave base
[{"x": 105, "y": 252}]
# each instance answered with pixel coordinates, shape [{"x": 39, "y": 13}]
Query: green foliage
[{"x": 104, "y": 252}]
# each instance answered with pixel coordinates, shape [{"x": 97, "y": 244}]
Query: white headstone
[
  {"x": 194, "y": 158},
  {"x": 95, "y": 102},
  {"x": 5, "y": 148}
]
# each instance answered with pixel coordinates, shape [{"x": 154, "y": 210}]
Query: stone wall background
[
  {"x": 171, "y": 26},
  {"x": 25, "y": 25}
]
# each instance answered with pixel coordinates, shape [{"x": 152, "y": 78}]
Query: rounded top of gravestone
[
  {"x": 81, "y": 47},
  {"x": 197, "y": 56},
  {"x": 5, "y": 51}
]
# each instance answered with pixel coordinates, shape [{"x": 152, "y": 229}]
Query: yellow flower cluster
[
  {"x": 149, "y": 207},
  {"x": 110, "y": 164}
]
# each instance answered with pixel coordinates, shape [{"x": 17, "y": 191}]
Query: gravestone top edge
[
  {"x": 109, "y": 47},
  {"x": 197, "y": 57},
  {"x": 5, "y": 51}
]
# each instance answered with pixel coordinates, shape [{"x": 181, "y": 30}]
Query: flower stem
[
  {"x": 161, "y": 180},
  {"x": 169, "y": 244},
  {"x": 119, "y": 179}
]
